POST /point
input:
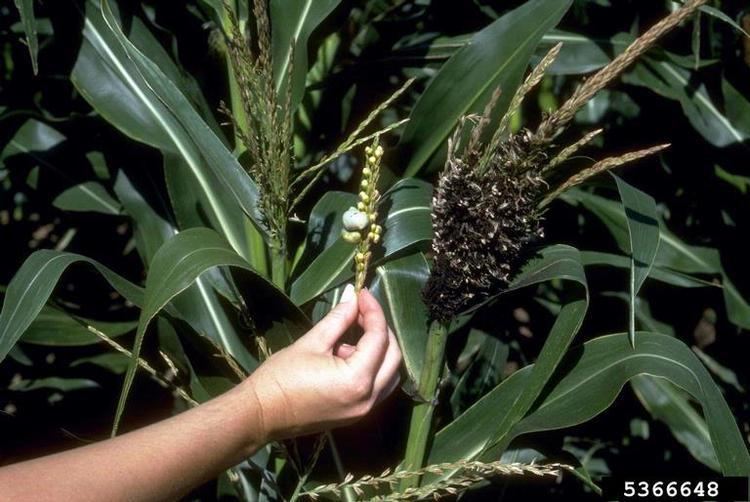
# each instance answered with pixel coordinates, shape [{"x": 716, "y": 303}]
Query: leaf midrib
[
  {"x": 445, "y": 131},
  {"x": 184, "y": 151},
  {"x": 297, "y": 31},
  {"x": 610, "y": 366},
  {"x": 703, "y": 99},
  {"x": 25, "y": 291}
]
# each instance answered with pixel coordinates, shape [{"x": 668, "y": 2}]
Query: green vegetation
[{"x": 174, "y": 184}]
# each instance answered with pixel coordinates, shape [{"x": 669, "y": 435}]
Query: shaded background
[{"x": 52, "y": 398}]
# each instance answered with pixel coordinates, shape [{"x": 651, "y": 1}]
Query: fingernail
[{"x": 348, "y": 294}]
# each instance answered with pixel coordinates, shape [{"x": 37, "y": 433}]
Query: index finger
[{"x": 371, "y": 348}]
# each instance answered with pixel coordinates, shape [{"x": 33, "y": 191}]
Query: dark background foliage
[{"x": 701, "y": 190}]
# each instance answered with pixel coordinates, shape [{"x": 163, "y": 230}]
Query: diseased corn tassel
[
  {"x": 482, "y": 223},
  {"x": 489, "y": 200}
]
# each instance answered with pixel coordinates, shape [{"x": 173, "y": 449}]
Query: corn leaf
[
  {"x": 673, "y": 254},
  {"x": 671, "y": 81},
  {"x": 472, "y": 435},
  {"x": 586, "y": 384},
  {"x": 496, "y": 56},
  {"x": 398, "y": 286},
  {"x": 26, "y": 11},
  {"x": 669, "y": 404},
  {"x": 405, "y": 211},
  {"x": 665, "y": 275},
  {"x": 177, "y": 265},
  {"x": 54, "y": 327},
  {"x": 293, "y": 22},
  {"x": 643, "y": 239},
  {"x": 199, "y": 305},
  {"x": 33, "y": 284},
  {"x": 90, "y": 196},
  {"x": 177, "y": 119}
]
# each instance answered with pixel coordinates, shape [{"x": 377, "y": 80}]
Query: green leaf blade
[
  {"x": 182, "y": 128},
  {"x": 398, "y": 286},
  {"x": 667, "y": 403},
  {"x": 673, "y": 254},
  {"x": 26, "y": 11},
  {"x": 293, "y": 22},
  {"x": 586, "y": 384},
  {"x": 476, "y": 435},
  {"x": 33, "y": 284},
  {"x": 643, "y": 239},
  {"x": 90, "y": 196},
  {"x": 495, "y": 57},
  {"x": 179, "y": 263},
  {"x": 407, "y": 222},
  {"x": 643, "y": 228}
]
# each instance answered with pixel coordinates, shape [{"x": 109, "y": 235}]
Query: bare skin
[{"x": 313, "y": 385}]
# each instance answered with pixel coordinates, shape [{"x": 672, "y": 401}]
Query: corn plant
[{"x": 290, "y": 164}]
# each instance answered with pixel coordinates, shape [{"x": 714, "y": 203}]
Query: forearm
[
  {"x": 159, "y": 462},
  {"x": 312, "y": 385}
]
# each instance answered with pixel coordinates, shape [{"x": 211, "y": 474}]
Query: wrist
[{"x": 250, "y": 422}]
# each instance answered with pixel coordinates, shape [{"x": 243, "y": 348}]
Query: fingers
[
  {"x": 344, "y": 350},
  {"x": 325, "y": 334},
  {"x": 373, "y": 344},
  {"x": 388, "y": 376}
]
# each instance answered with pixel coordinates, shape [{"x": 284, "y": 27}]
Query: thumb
[{"x": 326, "y": 333}]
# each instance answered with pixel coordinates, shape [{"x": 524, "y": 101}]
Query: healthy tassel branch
[{"x": 360, "y": 223}]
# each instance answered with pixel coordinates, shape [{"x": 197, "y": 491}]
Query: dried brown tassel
[
  {"x": 488, "y": 203},
  {"x": 483, "y": 225}
]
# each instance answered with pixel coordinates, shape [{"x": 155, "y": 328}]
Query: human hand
[
  {"x": 312, "y": 385},
  {"x": 316, "y": 383}
]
